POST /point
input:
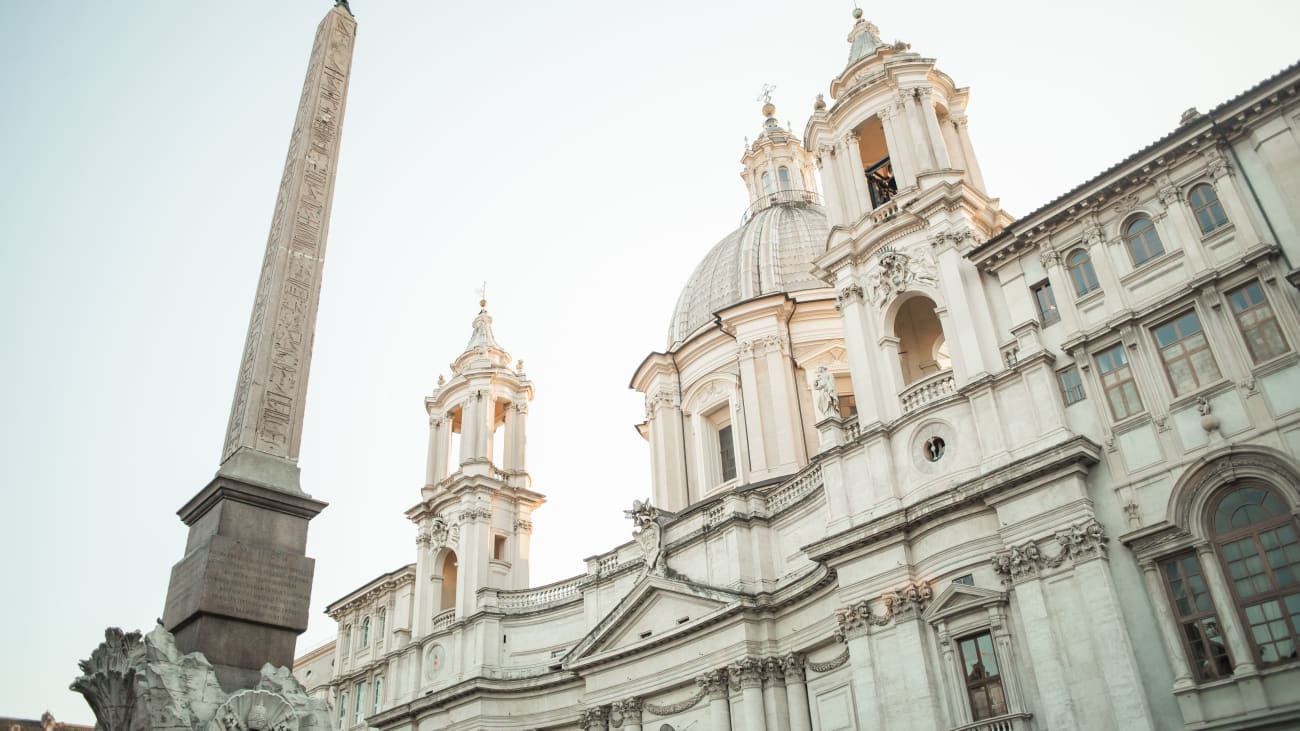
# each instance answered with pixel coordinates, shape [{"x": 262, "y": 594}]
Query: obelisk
[{"x": 241, "y": 593}]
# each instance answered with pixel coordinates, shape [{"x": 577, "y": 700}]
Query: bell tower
[
  {"x": 775, "y": 167},
  {"x": 475, "y": 513}
]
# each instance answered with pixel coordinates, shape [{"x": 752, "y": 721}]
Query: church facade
[{"x": 915, "y": 463}]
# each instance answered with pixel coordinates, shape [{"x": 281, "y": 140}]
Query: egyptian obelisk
[{"x": 241, "y": 593}]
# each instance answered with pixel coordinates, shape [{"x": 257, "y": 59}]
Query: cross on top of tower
[{"x": 765, "y": 95}]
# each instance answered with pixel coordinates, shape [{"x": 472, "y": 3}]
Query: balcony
[
  {"x": 780, "y": 197},
  {"x": 1008, "y": 722},
  {"x": 927, "y": 390},
  {"x": 444, "y": 619}
]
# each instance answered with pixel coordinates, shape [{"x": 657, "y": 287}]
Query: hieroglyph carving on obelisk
[{"x": 267, "y": 415}]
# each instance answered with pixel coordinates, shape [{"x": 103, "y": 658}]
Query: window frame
[
  {"x": 1078, "y": 385},
  {"x": 1200, "y": 381},
  {"x": 1209, "y": 205},
  {"x": 1264, "y": 304},
  {"x": 784, "y": 181},
  {"x": 1196, "y": 663},
  {"x": 343, "y": 710},
  {"x": 359, "y": 704},
  {"x": 1118, "y": 385},
  {"x": 1276, "y": 593},
  {"x": 1048, "y": 312},
  {"x": 765, "y": 182},
  {"x": 982, "y": 685},
  {"x": 363, "y": 637},
  {"x": 1082, "y": 271},
  {"x": 1130, "y": 238}
]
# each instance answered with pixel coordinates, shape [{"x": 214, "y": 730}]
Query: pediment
[
  {"x": 824, "y": 353},
  {"x": 656, "y": 610},
  {"x": 961, "y": 598}
]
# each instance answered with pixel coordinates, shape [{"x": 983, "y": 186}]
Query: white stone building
[{"x": 916, "y": 464}]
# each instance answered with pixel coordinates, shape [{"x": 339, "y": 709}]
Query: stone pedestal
[{"x": 241, "y": 593}]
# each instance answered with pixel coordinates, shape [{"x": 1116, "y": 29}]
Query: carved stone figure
[
  {"x": 828, "y": 400},
  {"x": 648, "y": 535}
]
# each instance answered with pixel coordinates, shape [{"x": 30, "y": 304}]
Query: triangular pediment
[
  {"x": 657, "y": 610},
  {"x": 959, "y": 598}
]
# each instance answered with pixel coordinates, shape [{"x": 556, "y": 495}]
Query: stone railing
[
  {"x": 930, "y": 388},
  {"x": 608, "y": 563},
  {"x": 790, "y": 492},
  {"x": 444, "y": 619},
  {"x": 884, "y": 212},
  {"x": 779, "y": 196},
  {"x": 1008, "y": 722},
  {"x": 716, "y": 514},
  {"x": 542, "y": 595}
]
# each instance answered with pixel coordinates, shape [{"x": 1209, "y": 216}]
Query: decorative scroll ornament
[
  {"x": 828, "y": 399},
  {"x": 663, "y": 397},
  {"x": 649, "y": 535},
  {"x": 593, "y": 718},
  {"x": 1216, "y": 164},
  {"x": 909, "y": 600},
  {"x": 1127, "y": 203},
  {"x": 1079, "y": 542},
  {"x": 906, "y": 601},
  {"x": 958, "y": 239},
  {"x": 764, "y": 345},
  {"x": 847, "y": 295},
  {"x": 714, "y": 683}
]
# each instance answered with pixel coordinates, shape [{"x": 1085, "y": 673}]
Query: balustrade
[
  {"x": 1008, "y": 722},
  {"x": 540, "y": 596},
  {"x": 931, "y": 388}
]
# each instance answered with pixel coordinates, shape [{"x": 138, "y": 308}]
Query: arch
[
  {"x": 381, "y": 624},
  {"x": 447, "y": 570},
  {"x": 1078, "y": 263},
  {"x": 922, "y": 344},
  {"x": 767, "y": 183},
  {"x": 1206, "y": 208},
  {"x": 783, "y": 177},
  {"x": 1141, "y": 239},
  {"x": 363, "y": 640},
  {"x": 1189, "y": 500}
]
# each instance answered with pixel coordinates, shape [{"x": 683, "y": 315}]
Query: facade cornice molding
[
  {"x": 1076, "y": 543},
  {"x": 368, "y": 592}
]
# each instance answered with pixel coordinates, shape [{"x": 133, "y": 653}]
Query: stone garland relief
[
  {"x": 858, "y": 618},
  {"x": 1079, "y": 542}
]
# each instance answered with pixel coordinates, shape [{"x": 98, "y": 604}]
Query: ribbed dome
[{"x": 772, "y": 252}]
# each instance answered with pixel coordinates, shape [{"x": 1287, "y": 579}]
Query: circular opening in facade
[{"x": 934, "y": 448}]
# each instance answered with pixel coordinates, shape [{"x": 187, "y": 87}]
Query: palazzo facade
[{"x": 916, "y": 464}]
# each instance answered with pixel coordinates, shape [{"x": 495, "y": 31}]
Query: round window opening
[{"x": 934, "y": 448}]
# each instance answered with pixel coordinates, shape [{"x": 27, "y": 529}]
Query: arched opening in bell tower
[
  {"x": 922, "y": 347},
  {"x": 456, "y": 419},
  {"x": 498, "y": 455},
  {"x": 882, "y": 186},
  {"x": 449, "y": 566}
]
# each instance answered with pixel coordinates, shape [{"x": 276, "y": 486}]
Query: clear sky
[{"x": 579, "y": 156}]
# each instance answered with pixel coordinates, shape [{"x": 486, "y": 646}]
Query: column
[
  {"x": 830, "y": 187},
  {"x": 916, "y": 671},
  {"x": 1056, "y": 705},
  {"x": 1185, "y": 231},
  {"x": 784, "y": 399},
  {"x": 516, "y": 435},
  {"x": 958, "y": 708},
  {"x": 1094, "y": 240},
  {"x": 758, "y": 458},
  {"x": 864, "y": 680},
  {"x": 972, "y": 165},
  {"x": 892, "y": 371},
  {"x": 1117, "y": 659},
  {"x": 966, "y": 298},
  {"x": 796, "y": 692},
  {"x": 439, "y": 446},
  {"x": 937, "y": 145},
  {"x": 903, "y": 174},
  {"x": 1243, "y": 660},
  {"x": 858, "y": 332},
  {"x": 916, "y": 131},
  {"x": 861, "y": 194},
  {"x": 715, "y": 684},
  {"x": 750, "y": 674},
  {"x": 1168, "y": 626},
  {"x": 1010, "y": 678},
  {"x": 1222, "y": 178},
  {"x": 1062, "y": 288},
  {"x": 776, "y": 701},
  {"x": 594, "y": 719},
  {"x": 667, "y": 457},
  {"x": 630, "y": 709}
]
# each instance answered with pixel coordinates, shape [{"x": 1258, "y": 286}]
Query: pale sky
[{"x": 579, "y": 156}]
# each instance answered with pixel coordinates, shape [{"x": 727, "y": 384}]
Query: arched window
[
  {"x": 783, "y": 177},
  {"x": 1142, "y": 240},
  {"x": 767, "y": 184},
  {"x": 1258, "y": 545},
  {"x": 382, "y": 625},
  {"x": 345, "y": 637},
  {"x": 449, "y": 565},
  {"x": 1079, "y": 264},
  {"x": 1206, "y": 206},
  {"x": 363, "y": 641}
]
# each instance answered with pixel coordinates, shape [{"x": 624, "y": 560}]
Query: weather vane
[{"x": 765, "y": 95}]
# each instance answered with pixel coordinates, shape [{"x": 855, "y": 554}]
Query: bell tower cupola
[
  {"x": 474, "y": 519},
  {"x": 897, "y": 126}
]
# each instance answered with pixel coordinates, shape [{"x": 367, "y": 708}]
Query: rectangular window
[
  {"x": 966, "y": 579},
  {"x": 983, "y": 682},
  {"x": 359, "y": 708},
  {"x": 1117, "y": 382},
  {"x": 1258, "y": 325},
  {"x": 498, "y": 548},
  {"x": 727, "y": 453},
  {"x": 1071, "y": 386},
  {"x": 1198, "y": 626},
  {"x": 1046, "y": 301},
  {"x": 343, "y": 710},
  {"x": 1189, "y": 364},
  {"x": 379, "y": 694}
]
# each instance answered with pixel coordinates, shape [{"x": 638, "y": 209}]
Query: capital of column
[
  {"x": 594, "y": 718},
  {"x": 774, "y": 670},
  {"x": 714, "y": 683},
  {"x": 629, "y": 709},
  {"x": 793, "y": 667},
  {"x": 748, "y": 673},
  {"x": 848, "y": 295}
]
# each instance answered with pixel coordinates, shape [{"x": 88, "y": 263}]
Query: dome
[{"x": 771, "y": 252}]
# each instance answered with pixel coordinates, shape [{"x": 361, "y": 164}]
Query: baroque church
[{"x": 916, "y": 463}]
